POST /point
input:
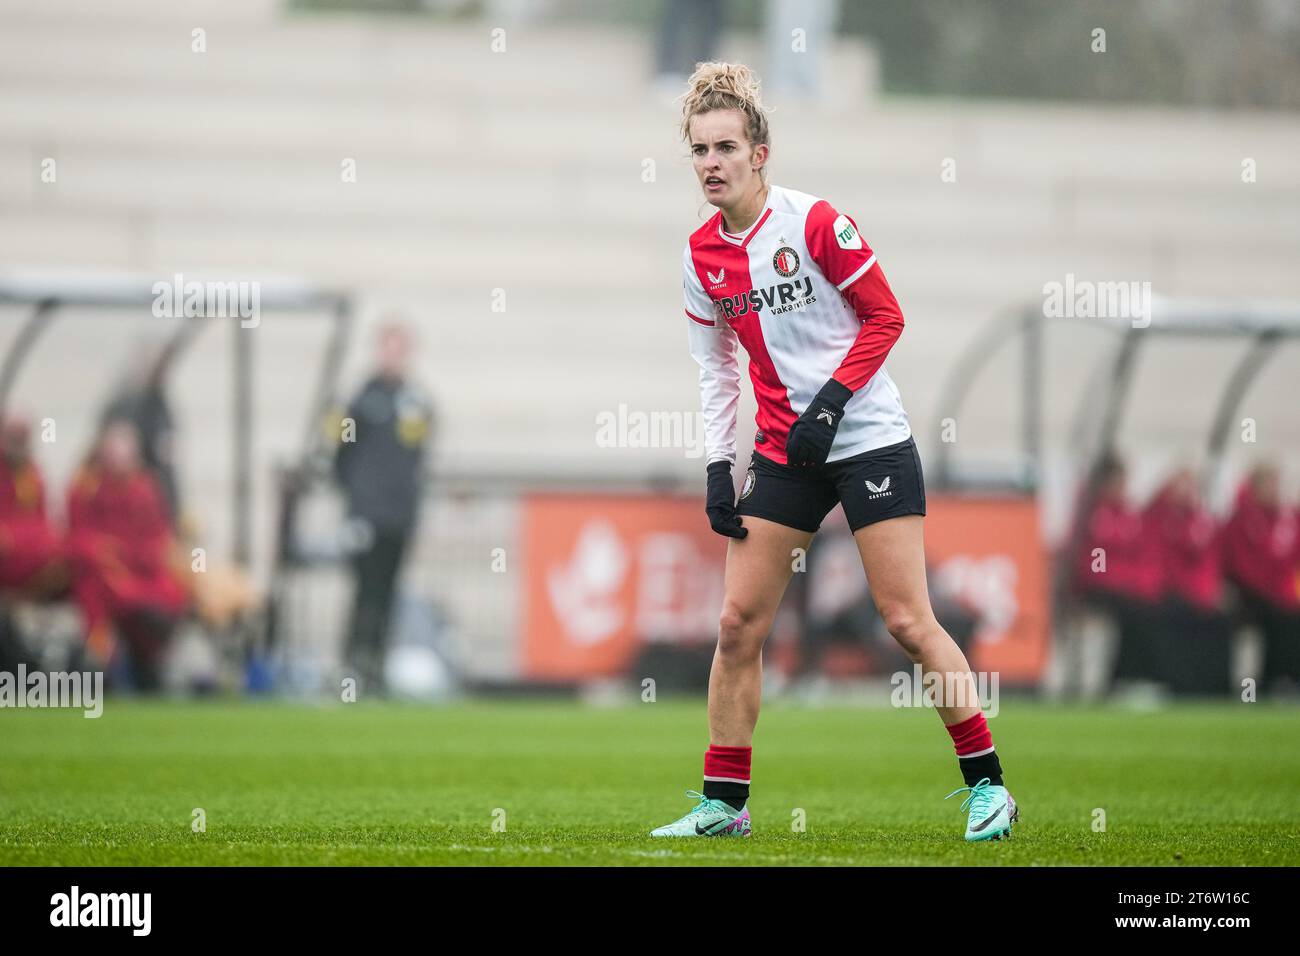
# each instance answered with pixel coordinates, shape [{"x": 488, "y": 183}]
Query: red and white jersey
[{"x": 802, "y": 292}]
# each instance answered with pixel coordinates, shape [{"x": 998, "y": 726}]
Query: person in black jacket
[
  {"x": 142, "y": 400},
  {"x": 380, "y": 465}
]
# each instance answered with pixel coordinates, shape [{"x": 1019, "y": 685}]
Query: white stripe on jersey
[
  {"x": 857, "y": 275},
  {"x": 713, "y": 346}
]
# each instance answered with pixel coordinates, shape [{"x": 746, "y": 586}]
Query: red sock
[
  {"x": 975, "y": 754},
  {"x": 971, "y": 737},
  {"x": 726, "y": 774}
]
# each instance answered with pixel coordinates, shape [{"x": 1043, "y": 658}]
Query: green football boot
[
  {"x": 992, "y": 811},
  {"x": 709, "y": 818}
]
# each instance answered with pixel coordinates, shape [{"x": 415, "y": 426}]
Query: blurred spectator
[
  {"x": 32, "y": 565},
  {"x": 142, "y": 401},
  {"x": 31, "y": 554},
  {"x": 121, "y": 547},
  {"x": 380, "y": 465},
  {"x": 797, "y": 36},
  {"x": 1260, "y": 557},
  {"x": 1118, "y": 572},
  {"x": 224, "y": 592},
  {"x": 1194, "y": 636},
  {"x": 689, "y": 33}
]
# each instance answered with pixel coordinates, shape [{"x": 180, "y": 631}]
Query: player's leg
[
  {"x": 883, "y": 494},
  {"x": 893, "y": 556},
  {"x": 782, "y": 510},
  {"x": 758, "y": 571}
]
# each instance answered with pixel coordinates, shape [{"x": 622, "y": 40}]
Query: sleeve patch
[{"x": 845, "y": 234}]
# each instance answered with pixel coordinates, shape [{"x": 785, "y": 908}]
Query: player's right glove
[{"x": 721, "y": 501}]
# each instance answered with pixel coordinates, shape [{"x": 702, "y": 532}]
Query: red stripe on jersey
[
  {"x": 882, "y": 324},
  {"x": 841, "y": 258},
  {"x": 757, "y": 226},
  {"x": 699, "y": 320},
  {"x": 837, "y": 259},
  {"x": 775, "y": 416},
  {"x": 753, "y": 231}
]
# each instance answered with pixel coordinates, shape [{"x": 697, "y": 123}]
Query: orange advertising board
[
  {"x": 606, "y": 574},
  {"x": 988, "y": 552}
]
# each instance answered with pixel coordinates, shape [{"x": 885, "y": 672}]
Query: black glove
[
  {"x": 721, "y": 502},
  {"x": 813, "y": 432}
]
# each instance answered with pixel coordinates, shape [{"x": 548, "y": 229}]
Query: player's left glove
[
  {"x": 721, "y": 502},
  {"x": 813, "y": 432}
]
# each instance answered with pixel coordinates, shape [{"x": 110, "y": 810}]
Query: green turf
[{"x": 402, "y": 784}]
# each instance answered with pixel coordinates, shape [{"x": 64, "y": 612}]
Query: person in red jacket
[
  {"x": 32, "y": 566},
  {"x": 1194, "y": 634},
  {"x": 31, "y": 554},
  {"x": 1261, "y": 545},
  {"x": 120, "y": 541},
  {"x": 1118, "y": 573}
]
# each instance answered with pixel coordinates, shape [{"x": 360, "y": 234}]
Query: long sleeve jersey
[{"x": 802, "y": 292}]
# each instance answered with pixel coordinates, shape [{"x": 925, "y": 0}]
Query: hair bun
[{"x": 725, "y": 86}]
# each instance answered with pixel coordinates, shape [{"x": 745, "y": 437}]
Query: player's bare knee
[
  {"x": 911, "y": 628},
  {"x": 740, "y": 633}
]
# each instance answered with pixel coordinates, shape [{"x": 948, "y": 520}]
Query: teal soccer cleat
[
  {"x": 992, "y": 811},
  {"x": 709, "y": 818}
]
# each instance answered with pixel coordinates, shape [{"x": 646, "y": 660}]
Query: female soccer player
[{"x": 792, "y": 279}]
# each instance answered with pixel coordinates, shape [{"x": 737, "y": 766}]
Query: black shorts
[{"x": 875, "y": 485}]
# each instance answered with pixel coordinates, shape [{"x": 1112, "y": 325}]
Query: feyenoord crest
[
  {"x": 750, "y": 481},
  {"x": 786, "y": 262}
]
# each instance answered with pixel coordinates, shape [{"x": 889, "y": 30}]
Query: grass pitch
[{"x": 281, "y": 783}]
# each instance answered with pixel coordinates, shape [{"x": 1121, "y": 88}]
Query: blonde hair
[{"x": 726, "y": 86}]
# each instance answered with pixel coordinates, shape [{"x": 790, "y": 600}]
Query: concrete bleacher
[{"x": 522, "y": 171}]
